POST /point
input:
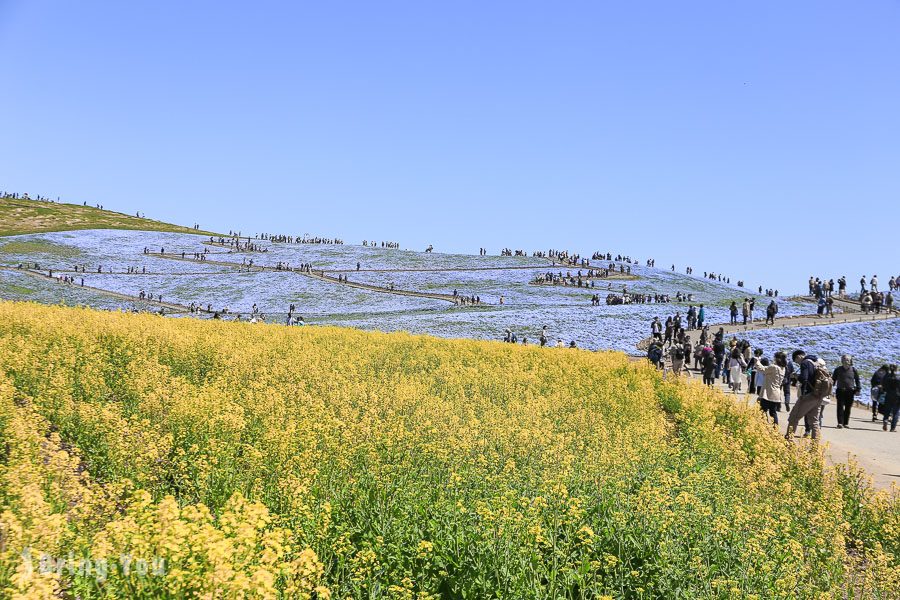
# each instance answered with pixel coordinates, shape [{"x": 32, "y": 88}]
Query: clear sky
[{"x": 759, "y": 139}]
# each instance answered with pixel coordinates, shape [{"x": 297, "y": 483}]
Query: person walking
[
  {"x": 891, "y": 386},
  {"x": 876, "y": 389},
  {"x": 786, "y": 384},
  {"x": 708, "y": 361},
  {"x": 733, "y": 311},
  {"x": 676, "y": 354},
  {"x": 745, "y": 310},
  {"x": 770, "y": 394},
  {"x": 846, "y": 382},
  {"x": 818, "y": 382},
  {"x": 771, "y": 311},
  {"x": 736, "y": 366},
  {"x": 656, "y": 329}
]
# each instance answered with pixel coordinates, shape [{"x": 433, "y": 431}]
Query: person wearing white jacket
[{"x": 771, "y": 393}]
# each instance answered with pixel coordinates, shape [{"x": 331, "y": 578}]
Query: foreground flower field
[{"x": 145, "y": 457}]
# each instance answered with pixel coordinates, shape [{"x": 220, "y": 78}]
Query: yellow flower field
[{"x": 143, "y": 457}]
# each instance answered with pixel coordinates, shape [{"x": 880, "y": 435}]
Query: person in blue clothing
[{"x": 701, "y": 317}]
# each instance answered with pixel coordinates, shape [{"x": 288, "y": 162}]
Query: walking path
[
  {"x": 873, "y": 449},
  {"x": 171, "y": 306}
]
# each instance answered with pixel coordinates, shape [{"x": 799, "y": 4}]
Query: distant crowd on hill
[
  {"x": 17, "y": 196},
  {"x": 374, "y": 244},
  {"x": 871, "y": 298},
  {"x": 279, "y": 238}
]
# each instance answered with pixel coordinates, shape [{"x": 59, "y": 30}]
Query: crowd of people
[
  {"x": 578, "y": 279},
  {"x": 24, "y": 196},
  {"x": 237, "y": 244},
  {"x": 543, "y": 338},
  {"x": 871, "y": 299},
  {"x": 747, "y": 370},
  {"x": 626, "y": 297},
  {"x": 374, "y": 244},
  {"x": 292, "y": 239}
]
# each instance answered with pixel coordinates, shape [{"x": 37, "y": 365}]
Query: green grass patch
[
  {"x": 39, "y": 247},
  {"x": 18, "y": 217}
]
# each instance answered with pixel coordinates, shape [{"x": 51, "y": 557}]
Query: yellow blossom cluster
[{"x": 145, "y": 457}]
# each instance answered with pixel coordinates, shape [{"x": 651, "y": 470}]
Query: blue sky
[{"x": 758, "y": 139}]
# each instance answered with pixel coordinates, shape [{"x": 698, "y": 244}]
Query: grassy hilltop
[
  {"x": 265, "y": 461},
  {"x": 19, "y": 216}
]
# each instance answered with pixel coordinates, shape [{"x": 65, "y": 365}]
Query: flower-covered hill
[{"x": 237, "y": 460}]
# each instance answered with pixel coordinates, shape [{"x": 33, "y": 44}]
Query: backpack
[
  {"x": 821, "y": 383},
  {"x": 679, "y": 353}
]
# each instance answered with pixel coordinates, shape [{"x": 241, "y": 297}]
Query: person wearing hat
[{"x": 813, "y": 391}]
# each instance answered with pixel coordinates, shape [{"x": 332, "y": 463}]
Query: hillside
[
  {"x": 19, "y": 216},
  {"x": 320, "y": 462}
]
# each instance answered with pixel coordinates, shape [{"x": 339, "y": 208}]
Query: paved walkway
[{"x": 874, "y": 449}]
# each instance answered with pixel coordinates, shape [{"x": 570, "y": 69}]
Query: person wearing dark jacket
[
  {"x": 771, "y": 311},
  {"x": 891, "y": 386},
  {"x": 786, "y": 385},
  {"x": 807, "y": 370},
  {"x": 719, "y": 353},
  {"x": 846, "y": 383},
  {"x": 877, "y": 379},
  {"x": 805, "y": 379}
]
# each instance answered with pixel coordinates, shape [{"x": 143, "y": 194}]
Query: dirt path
[{"x": 171, "y": 306}]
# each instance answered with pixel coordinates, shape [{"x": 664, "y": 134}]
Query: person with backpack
[
  {"x": 804, "y": 378},
  {"x": 817, "y": 380},
  {"x": 876, "y": 389},
  {"x": 846, "y": 382},
  {"x": 733, "y": 311},
  {"x": 891, "y": 386}
]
